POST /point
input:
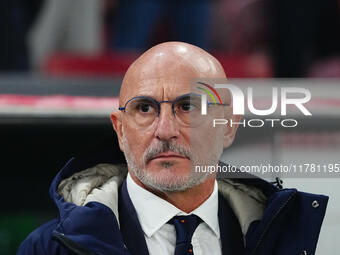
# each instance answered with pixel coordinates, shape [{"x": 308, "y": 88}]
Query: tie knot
[{"x": 185, "y": 227}]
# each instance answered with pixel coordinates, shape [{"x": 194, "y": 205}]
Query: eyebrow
[{"x": 143, "y": 95}]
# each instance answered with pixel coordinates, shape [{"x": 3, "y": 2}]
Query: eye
[
  {"x": 144, "y": 106},
  {"x": 187, "y": 105}
]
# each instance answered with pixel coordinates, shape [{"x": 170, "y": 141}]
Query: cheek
[
  {"x": 206, "y": 142},
  {"x": 137, "y": 140},
  {"x": 185, "y": 137}
]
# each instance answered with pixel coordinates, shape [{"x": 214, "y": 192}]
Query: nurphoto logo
[{"x": 239, "y": 99}]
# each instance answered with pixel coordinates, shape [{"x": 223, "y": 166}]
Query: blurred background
[{"x": 62, "y": 62}]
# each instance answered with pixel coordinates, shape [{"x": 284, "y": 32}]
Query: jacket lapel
[{"x": 129, "y": 224}]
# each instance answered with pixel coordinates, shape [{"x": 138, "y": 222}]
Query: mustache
[{"x": 165, "y": 146}]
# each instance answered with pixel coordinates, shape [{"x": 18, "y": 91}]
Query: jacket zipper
[
  {"x": 271, "y": 222},
  {"x": 74, "y": 247}
]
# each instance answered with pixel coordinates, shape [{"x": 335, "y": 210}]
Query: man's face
[{"x": 163, "y": 154}]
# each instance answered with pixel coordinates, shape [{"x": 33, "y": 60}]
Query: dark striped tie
[{"x": 185, "y": 228}]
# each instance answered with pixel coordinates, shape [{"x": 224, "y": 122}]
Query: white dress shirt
[{"x": 154, "y": 212}]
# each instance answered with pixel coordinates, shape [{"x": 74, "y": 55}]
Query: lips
[{"x": 167, "y": 155}]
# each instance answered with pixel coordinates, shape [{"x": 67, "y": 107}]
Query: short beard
[{"x": 163, "y": 183}]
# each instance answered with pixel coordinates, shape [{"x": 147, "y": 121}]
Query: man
[{"x": 163, "y": 206}]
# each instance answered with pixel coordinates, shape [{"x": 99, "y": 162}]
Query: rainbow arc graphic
[{"x": 209, "y": 93}]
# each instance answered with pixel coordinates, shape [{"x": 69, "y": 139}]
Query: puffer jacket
[{"x": 273, "y": 221}]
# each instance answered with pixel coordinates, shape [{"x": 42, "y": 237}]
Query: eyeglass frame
[{"x": 158, "y": 103}]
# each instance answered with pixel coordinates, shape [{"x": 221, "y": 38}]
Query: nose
[{"x": 167, "y": 126}]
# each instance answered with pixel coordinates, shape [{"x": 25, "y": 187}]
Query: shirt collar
[{"x": 152, "y": 220}]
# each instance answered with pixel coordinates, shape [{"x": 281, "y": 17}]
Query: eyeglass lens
[{"x": 187, "y": 109}]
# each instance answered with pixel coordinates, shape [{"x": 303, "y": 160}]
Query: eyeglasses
[{"x": 186, "y": 108}]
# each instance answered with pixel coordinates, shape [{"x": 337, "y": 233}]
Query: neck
[{"x": 187, "y": 200}]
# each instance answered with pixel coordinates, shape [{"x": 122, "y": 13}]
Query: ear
[
  {"x": 230, "y": 130},
  {"x": 118, "y": 127}
]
